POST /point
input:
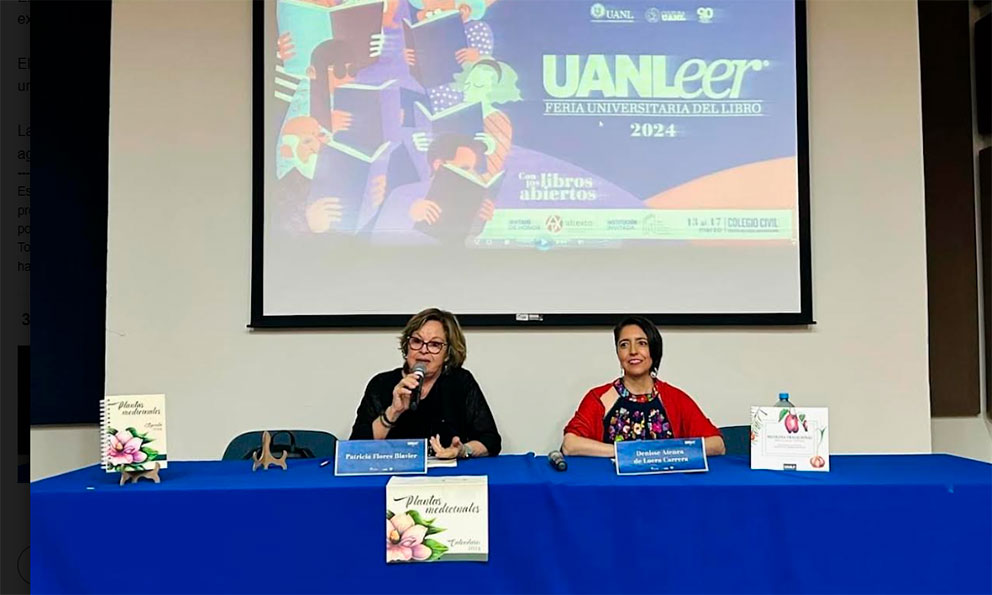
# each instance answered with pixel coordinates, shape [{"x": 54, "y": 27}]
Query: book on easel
[
  {"x": 132, "y": 432},
  {"x": 435, "y": 40}
]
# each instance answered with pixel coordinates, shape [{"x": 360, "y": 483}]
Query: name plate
[
  {"x": 640, "y": 457},
  {"x": 380, "y": 457}
]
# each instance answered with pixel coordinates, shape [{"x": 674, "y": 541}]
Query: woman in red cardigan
[{"x": 637, "y": 406}]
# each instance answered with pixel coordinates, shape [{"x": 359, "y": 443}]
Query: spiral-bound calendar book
[{"x": 132, "y": 432}]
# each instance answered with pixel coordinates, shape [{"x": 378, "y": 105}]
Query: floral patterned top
[
  {"x": 636, "y": 417},
  {"x": 685, "y": 418}
]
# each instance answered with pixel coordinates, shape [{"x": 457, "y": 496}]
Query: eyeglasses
[{"x": 416, "y": 344}]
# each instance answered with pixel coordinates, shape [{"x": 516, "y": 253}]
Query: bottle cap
[{"x": 783, "y": 396}]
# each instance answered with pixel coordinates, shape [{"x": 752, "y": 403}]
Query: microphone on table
[
  {"x": 557, "y": 460},
  {"x": 419, "y": 370}
]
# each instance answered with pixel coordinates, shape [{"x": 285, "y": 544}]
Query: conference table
[{"x": 889, "y": 523}]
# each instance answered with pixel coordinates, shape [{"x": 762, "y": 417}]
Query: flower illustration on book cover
[
  {"x": 407, "y": 538},
  {"x": 128, "y": 450}
]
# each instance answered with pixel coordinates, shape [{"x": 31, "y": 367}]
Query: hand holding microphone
[
  {"x": 419, "y": 371},
  {"x": 403, "y": 393}
]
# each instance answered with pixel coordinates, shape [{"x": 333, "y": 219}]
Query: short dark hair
[
  {"x": 338, "y": 56},
  {"x": 445, "y": 146},
  {"x": 335, "y": 54},
  {"x": 650, "y": 330}
]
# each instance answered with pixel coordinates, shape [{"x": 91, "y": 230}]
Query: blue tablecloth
[{"x": 906, "y": 524}]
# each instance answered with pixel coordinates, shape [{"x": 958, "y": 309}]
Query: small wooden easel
[
  {"x": 266, "y": 458},
  {"x": 134, "y": 476}
]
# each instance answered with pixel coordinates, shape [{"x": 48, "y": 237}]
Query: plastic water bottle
[{"x": 783, "y": 401}]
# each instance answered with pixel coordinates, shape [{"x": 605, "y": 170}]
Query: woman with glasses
[
  {"x": 451, "y": 412},
  {"x": 637, "y": 406}
]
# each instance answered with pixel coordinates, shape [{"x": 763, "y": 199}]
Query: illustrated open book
[
  {"x": 464, "y": 118},
  {"x": 460, "y": 194},
  {"x": 345, "y": 173},
  {"x": 355, "y": 23},
  {"x": 132, "y": 432},
  {"x": 368, "y": 105},
  {"x": 434, "y": 41}
]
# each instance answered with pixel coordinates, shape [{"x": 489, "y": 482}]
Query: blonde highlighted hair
[{"x": 455, "y": 356}]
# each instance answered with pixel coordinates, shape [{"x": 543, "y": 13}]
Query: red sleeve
[
  {"x": 588, "y": 419},
  {"x": 688, "y": 420}
]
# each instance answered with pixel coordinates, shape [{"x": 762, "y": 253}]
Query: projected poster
[{"x": 507, "y": 157}]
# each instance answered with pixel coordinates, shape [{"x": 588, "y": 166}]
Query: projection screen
[{"x": 530, "y": 162}]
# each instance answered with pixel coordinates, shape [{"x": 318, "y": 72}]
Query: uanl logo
[
  {"x": 553, "y": 224},
  {"x": 601, "y": 12},
  {"x": 670, "y": 16},
  {"x": 656, "y": 15}
]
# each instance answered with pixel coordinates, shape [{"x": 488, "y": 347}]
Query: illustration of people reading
[
  {"x": 338, "y": 178},
  {"x": 332, "y": 65},
  {"x": 304, "y": 24},
  {"x": 484, "y": 84},
  {"x": 449, "y": 207},
  {"x": 447, "y": 35},
  {"x": 313, "y": 199},
  {"x": 301, "y": 140},
  {"x": 490, "y": 83}
]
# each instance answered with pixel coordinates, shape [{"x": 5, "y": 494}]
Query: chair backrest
[
  {"x": 298, "y": 443},
  {"x": 737, "y": 439}
]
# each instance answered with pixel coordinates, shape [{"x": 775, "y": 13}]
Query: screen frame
[{"x": 259, "y": 320}]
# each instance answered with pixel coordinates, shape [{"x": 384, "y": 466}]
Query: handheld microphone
[
  {"x": 557, "y": 460},
  {"x": 420, "y": 370}
]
